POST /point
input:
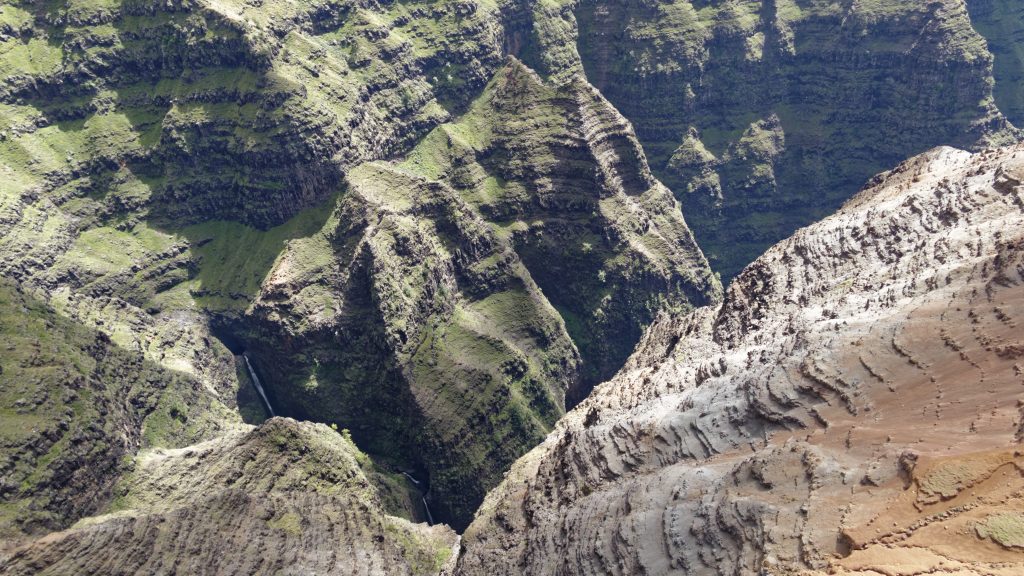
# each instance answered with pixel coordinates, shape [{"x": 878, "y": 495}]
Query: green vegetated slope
[
  {"x": 74, "y": 408},
  {"x": 286, "y": 497},
  {"x": 765, "y": 116},
  {"x": 419, "y": 220},
  {"x": 189, "y": 172},
  {"x": 140, "y": 468},
  {"x": 456, "y": 297}
]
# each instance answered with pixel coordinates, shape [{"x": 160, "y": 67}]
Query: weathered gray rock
[{"x": 850, "y": 406}]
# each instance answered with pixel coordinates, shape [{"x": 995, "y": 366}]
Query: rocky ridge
[
  {"x": 419, "y": 222},
  {"x": 76, "y": 406},
  {"x": 443, "y": 265},
  {"x": 284, "y": 498},
  {"x": 850, "y": 407}
]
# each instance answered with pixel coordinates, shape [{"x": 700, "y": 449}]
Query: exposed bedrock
[
  {"x": 852, "y": 406},
  {"x": 420, "y": 222}
]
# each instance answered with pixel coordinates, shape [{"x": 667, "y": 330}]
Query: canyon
[{"x": 510, "y": 287}]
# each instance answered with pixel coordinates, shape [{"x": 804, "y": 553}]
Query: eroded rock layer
[
  {"x": 853, "y": 406},
  {"x": 76, "y": 406},
  {"x": 457, "y": 267},
  {"x": 1001, "y": 22}
]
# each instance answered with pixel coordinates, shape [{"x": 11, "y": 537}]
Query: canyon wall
[
  {"x": 764, "y": 117},
  {"x": 850, "y": 407}
]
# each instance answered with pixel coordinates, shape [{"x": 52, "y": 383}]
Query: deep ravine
[{"x": 430, "y": 229}]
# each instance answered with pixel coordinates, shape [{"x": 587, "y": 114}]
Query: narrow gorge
[{"x": 474, "y": 287}]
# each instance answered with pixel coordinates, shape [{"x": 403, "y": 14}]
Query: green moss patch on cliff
[
  {"x": 291, "y": 489},
  {"x": 234, "y": 259}
]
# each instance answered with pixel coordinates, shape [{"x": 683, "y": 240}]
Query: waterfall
[
  {"x": 430, "y": 517},
  {"x": 259, "y": 387}
]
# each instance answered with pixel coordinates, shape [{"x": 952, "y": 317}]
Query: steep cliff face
[
  {"x": 420, "y": 222},
  {"x": 284, "y": 498},
  {"x": 765, "y": 116},
  {"x": 1001, "y": 22},
  {"x": 113, "y": 462},
  {"x": 231, "y": 110},
  {"x": 199, "y": 171},
  {"x": 850, "y": 407},
  {"x": 457, "y": 266}
]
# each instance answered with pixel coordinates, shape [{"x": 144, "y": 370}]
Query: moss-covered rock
[
  {"x": 286, "y": 497},
  {"x": 1001, "y": 22},
  {"x": 457, "y": 296},
  {"x": 75, "y": 407}
]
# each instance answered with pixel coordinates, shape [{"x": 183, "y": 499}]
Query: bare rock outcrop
[{"x": 853, "y": 406}]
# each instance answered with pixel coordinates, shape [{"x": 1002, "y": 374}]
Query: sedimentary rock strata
[
  {"x": 428, "y": 226},
  {"x": 197, "y": 173},
  {"x": 452, "y": 264}
]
